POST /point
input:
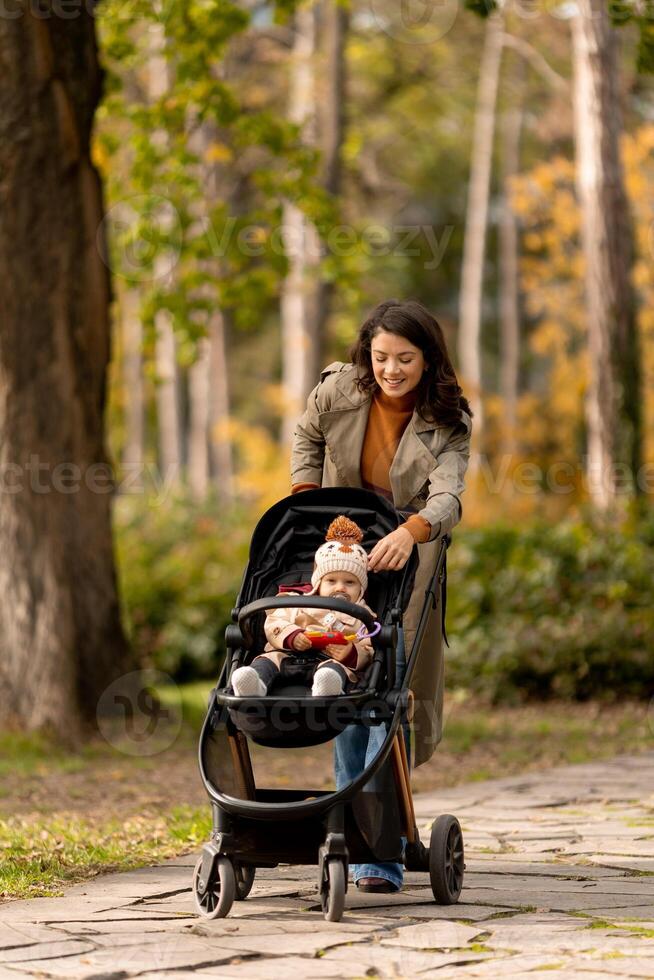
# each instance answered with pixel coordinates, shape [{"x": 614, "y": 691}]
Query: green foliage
[
  {"x": 630, "y": 11},
  {"x": 180, "y": 568},
  {"x": 533, "y": 612},
  {"x": 196, "y": 174},
  {"x": 544, "y": 610}
]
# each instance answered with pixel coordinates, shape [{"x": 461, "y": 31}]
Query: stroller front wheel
[
  {"x": 446, "y": 863},
  {"x": 215, "y": 901},
  {"x": 333, "y": 891}
]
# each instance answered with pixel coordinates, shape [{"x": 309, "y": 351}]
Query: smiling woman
[
  {"x": 394, "y": 421},
  {"x": 397, "y": 365}
]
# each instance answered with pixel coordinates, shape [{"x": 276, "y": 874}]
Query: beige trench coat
[{"x": 426, "y": 478}]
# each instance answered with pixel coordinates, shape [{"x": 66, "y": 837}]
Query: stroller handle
[{"x": 307, "y": 602}]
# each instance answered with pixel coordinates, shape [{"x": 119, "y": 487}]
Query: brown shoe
[{"x": 381, "y": 886}]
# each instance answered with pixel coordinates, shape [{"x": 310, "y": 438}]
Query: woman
[{"x": 394, "y": 421}]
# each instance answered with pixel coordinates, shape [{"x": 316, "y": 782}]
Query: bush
[
  {"x": 539, "y": 611},
  {"x": 180, "y": 567},
  {"x": 563, "y": 610}
]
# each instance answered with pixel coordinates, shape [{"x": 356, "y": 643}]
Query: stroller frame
[{"x": 329, "y": 827}]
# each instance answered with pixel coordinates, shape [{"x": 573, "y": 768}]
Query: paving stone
[
  {"x": 24, "y": 935},
  {"x": 546, "y": 869},
  {"x": 311, "y": 943},
  {"x": 620, "y": 885},
  {"x": 51, "y": 949},
  {"x": 462, "y": 911},
  {"x": 560, "y": 842},
  {"x": 162, "y": 956},
  {"x": 630, "y": 863},
  {"x": 624, "y": 966},
  {"x": 387, "y": 961},
  {"x": 434, "y": 935},
  {"x": 273, "y": 969},
  {"x": 158, "y": 880}
]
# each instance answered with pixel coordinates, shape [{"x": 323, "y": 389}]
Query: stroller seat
[{"x": 281, "y": 554}]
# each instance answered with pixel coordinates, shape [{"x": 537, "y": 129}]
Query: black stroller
[{"x": 364, "y": 821}]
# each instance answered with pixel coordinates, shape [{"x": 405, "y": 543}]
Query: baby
[{"x": 340, "y": 571}]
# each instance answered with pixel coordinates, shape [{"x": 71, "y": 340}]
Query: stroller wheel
[
  {"x": 446, "y": 865},
  {"x": 220, "y": 892},
  {"x": 333, "y": 891},
  {"x": 244, "y": 880}
]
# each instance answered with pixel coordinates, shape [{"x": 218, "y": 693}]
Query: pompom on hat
[{"x": 342, "y": 552}]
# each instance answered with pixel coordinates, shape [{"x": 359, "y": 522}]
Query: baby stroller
[{"x": 364, "y": 821}]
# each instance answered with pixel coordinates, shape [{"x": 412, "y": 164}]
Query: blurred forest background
[
  {"x": 200, "y": 200},
  {"x": 269, "y": 178},
  {"x": 271, "y": 171}
]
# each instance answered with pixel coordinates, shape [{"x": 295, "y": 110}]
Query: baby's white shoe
[
  {"x": 327, "y": 683},
  {"x": 247, "y": 683}
]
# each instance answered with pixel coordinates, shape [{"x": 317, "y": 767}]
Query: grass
[
  {"x": 40, "y": 855},
  {"x": 66, "y": 816}
]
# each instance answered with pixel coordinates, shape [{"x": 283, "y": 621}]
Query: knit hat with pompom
[{"x": 342, "y": 552}]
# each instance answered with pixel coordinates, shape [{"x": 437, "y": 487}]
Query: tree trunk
[
  {"x": 472, "y": 271},
  {"x": 168, "y": 381},
  {"x": 509, "y": 289},
  {"x": 613, "y": 398},
  {"x": 220, "y": 187},
  {"x": 198, "y": 446},
  {"x": 133, "y": 453},
  {"x": 62, "y": 641},
  {"x": 298, "y": 312},
  {"x": 220, "y": 445},
  {"x": 168, "y": 401},
  {"x": 332, "y": 132}
]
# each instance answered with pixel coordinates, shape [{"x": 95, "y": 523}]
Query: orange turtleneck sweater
[{"x": 387, "y": 421}]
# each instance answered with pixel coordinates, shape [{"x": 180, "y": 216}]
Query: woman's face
[{"x": 397, "y": 365}]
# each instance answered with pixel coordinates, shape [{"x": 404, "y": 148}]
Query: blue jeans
[{"x": 355, "y": 749}]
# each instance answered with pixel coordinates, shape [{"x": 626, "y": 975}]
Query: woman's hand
[{"x": 392, "y": 552}]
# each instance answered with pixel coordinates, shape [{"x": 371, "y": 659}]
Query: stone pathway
[{"x": 560, "y": 877}]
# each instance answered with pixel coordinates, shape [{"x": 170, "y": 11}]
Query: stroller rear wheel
[
  {"x": 446, "y": 864},
  {"x": 214, "y": 899},
  {"x": 244, "y": 880},
  {"x": 332, "y": 893}
]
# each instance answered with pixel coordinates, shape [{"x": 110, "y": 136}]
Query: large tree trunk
[
  {"x": 474, "y": 245},
  {"x": 62, "y": 640},
  {"x": 613, "y": 399},
  {"x": 509, "y": 288},
  {"x": 298, "y": 312},
  {"x": 332, "y": 132}
]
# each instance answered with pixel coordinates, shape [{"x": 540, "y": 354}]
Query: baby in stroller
[{"x": 340, "y": 644}]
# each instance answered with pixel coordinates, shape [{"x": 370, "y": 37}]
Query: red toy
[{"x": 321, "y": 639}]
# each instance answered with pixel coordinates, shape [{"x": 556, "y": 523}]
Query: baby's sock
[
  {"x": 254, "y": 681},
  {"x": 328, "y": 682},
  {"x": 247, "y": 683}
]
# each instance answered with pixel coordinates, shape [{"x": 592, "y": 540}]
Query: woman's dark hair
[{"x": 439, "y": 397}]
